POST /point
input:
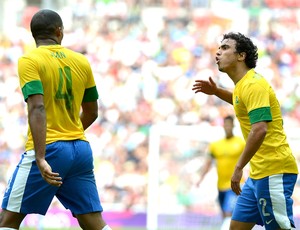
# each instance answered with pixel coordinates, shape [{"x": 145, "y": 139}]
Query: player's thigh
[
  {"x": 27, "y": 192},
  {"x": 79, "y": 191},
  {"x": 80, "y": 194},
  {"x": 229, "y": 201}
]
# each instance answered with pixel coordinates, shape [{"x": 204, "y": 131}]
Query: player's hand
[
  {"x": 204, "y": 86},
  {"x": 236, "y": 180},
  {"x": 47, "y": 174}
]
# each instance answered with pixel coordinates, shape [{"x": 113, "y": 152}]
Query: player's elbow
[
  {"x": 260, "y": 129},
  {"x": 94, "y": 115}
]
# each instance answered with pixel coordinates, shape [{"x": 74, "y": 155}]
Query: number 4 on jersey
[{"x": 65, "y": 76}]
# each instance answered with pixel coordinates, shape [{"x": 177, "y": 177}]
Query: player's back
[{"x": 65, "y": 75}]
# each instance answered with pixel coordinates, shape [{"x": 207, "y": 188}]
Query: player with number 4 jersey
[
  {"x": 65, "y": 84},
  {"x": 61, "y": 95}
]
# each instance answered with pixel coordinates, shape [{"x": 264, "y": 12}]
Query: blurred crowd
[{"x": 145, "y": 60}]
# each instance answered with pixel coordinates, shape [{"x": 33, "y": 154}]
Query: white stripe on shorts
[
  {"x": 17, "y": 191},
  {"x": 278, "y": 201}
]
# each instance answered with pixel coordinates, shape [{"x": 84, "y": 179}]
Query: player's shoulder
[
  {"x": 74, "y": 52},
  {"x": 256, "y": 77},
  {"x": 239, "y": 139},
  {"x": 217, "y": 142},
  {"x": 30, "y": 52},
  {"x": 253, "y": 82},
  {"x": 79, "y": 56},
  {"x": 29, "y": 56}
]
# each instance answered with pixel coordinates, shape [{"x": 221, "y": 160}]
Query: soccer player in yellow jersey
[
  {"x": 266, "y": 195},
  {"x": 225, "y": 154},
  {"x": 59, "y": 89}
]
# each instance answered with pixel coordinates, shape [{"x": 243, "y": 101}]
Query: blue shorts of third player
[
  {"x": 27, "y": 192},
  {"x": 267, "y": 202},
  {"x": 227, "y": 200}
]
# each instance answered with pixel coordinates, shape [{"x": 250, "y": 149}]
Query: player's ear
[
  {"x": 242, "y": 56},
  {"x": 59, "y": 31}
]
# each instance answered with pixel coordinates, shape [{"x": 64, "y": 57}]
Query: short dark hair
[
  {"x": 244, "y": 45},
  {"x": 229, "y": 117},
  {"x": 44, "y": 23}
]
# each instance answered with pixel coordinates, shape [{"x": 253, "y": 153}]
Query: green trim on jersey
[
  {"x": 31, "y": 88},
  {"x": 90, "y": 94},
  {"x": 260, "y": 114}
]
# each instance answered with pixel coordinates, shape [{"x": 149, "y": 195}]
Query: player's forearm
[
  {"x": 37, "y": 123},
  {"x": 224, "y": 94},
  {"x": 87, "y": 119},
  {"x": 203, "y": 174},
  {"x": 89, "y": 113},
  {"x": 206, "y": 167},
  {"x": 254, "y": 141}
]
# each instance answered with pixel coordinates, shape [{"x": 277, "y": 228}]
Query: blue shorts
[
  {"x": 267, "y": 201},
  {"x": 27, "y": 192},
  {"x": 227, "y": 200}
]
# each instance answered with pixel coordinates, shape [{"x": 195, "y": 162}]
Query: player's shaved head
[{"x": 44, "y": 23}]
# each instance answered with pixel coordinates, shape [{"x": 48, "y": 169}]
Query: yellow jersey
[
  {"x": 65, "y": 79},
  {"x": 226, "y": 153},
  {"x": 254, "y": 100}
]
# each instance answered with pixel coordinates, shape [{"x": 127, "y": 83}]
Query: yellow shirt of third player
[{"x": 226, "y": 153}]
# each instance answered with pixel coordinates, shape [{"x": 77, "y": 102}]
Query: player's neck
[
  {"x": 228, "y": 136},
  {"x": 47, "y": 42}
]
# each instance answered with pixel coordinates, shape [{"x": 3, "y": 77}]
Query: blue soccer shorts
[
  {"x": 267, "y": 202},
  {"x": 227, "y": 200},
  {"x": 28, "y": 192}
]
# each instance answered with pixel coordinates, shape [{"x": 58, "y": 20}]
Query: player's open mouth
[{"x": 217, "y": 60}]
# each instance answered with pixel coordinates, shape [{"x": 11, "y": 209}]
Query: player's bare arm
[
  {"x": 210, "y": 88},
  {"x": 89, "y": 113},
  {"x": 37, "y": 123},
  {"x": 255, "y": 139},
  {"x": 205, "y": 169}
]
